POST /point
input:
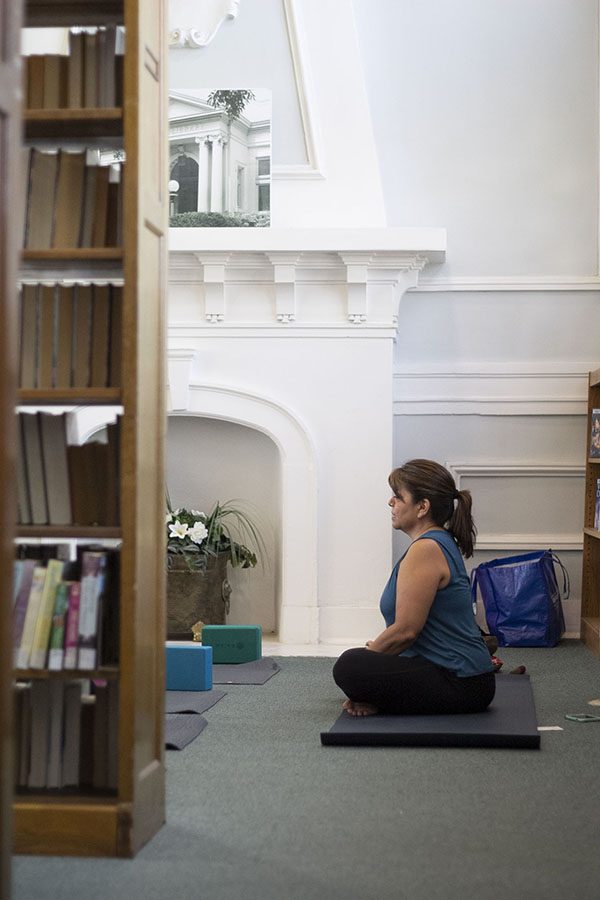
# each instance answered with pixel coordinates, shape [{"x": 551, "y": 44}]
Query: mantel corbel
[
  {"x": 284, "y": 278},
  {"x": 213, "y": 269}
]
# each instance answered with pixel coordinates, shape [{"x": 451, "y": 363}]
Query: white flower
[
  {"x": 177, "y": 511},
  {"x": 197, "y": 532},
  {"x": 196, "y": 512},
  {"x": 168, "y": 518},
  {"x": 178, "y": 530}
]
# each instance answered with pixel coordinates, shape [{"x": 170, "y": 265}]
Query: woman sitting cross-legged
[{"x": 431, "y": 657}]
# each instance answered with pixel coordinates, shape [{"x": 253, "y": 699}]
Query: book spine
[
  {"x": 72, "y": 628},
  {"x": 33, "y": 604},
  {"x": 56, "y": 650},
  {"x": 43, "y": 625},
  {"x": 92, "y": 581}
]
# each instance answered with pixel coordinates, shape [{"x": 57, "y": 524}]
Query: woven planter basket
[{"x": 199, "y": 595}]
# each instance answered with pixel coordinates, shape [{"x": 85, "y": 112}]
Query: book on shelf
[
  {"x": 69, "y": 199},
  {"x": 22, "y": 731},
  {"x": 32, "y": 447},
  {"x": 53, "y": 429},
  {"x": 56, "y": 643},
  {"x": 93, "y": 576},
  {"x": 22, "y": 601},
  {"x": 70, "y": 336},
  {"x": 55, "y": 734},
  {"x": 43, "y": 623},
  {"x": 597, "y": 506},
  {"x": 89, "y": 76},
  {"x": 72, "y": 627},
  {"x": 40, "y": 733},
  {"x": 595, "y": 433},
  {"x": 72, "y": 734},
  {"x": 41, "y": 192},
  {"x": 23, "y": 504}
]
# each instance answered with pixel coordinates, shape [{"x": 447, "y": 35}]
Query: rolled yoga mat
[{"x": 509, "y": 721}]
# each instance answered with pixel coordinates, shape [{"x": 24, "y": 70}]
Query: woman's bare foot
[{"x": 359, "y": 709}]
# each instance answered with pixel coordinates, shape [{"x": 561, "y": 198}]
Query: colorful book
[
  {"x": 43, "y": 624},
  {"x": 595, "y": 433},
  {"x": 21, "y": 600},
  {"x": 93, "y": 574},
  {"x": 56, "y": 644},
  {"x": 72, "y": 627},
  {"x": 23, "y": 652},
  {"x": 597, "y": 506}
]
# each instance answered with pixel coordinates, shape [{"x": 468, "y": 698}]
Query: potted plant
[{"x": 199, "y": 547}]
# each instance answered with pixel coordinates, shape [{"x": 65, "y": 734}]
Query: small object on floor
[
  {"x": 594, "y": 702},
  {"x": 256, "y": 672},
  {"x": 550, "y": 728},
  {"x": 189, "y": 668},
  {"x": 192, "y": 701},
  {"x": 233, "y": 644},
  {"x": 518, "y": 670},
  {"x": 197, "y": 631},
  {"x": 180, "y": 730},
  {"x": 582, "y": 717},
  {"x": 510, "y": 721},
  {"x": 497, "y": 663}
]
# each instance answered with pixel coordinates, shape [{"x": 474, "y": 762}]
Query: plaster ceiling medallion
[{"x": 208, "y": 16}]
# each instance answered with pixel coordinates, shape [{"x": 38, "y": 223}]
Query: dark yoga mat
[
  {"x": 509, "y": 721},
  {"x": 181, "y": 729},
  {"x": 192, "y": 701},
  {"x": 256, "y": 672}
]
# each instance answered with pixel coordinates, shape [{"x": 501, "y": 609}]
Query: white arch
[{"x": 297, "y": 611}]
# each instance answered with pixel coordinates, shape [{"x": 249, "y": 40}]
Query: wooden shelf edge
[
  {"x": 592, "y": 532},
  {"x": 595, "y": 378},
  {"x": 104, "y": 673},
  {"x": 80, "y": 115},
  {"x": 40, "y": 13},
  {"x": 67, "y": 396},
  {"x": 77, "y": 254},
  {"x": 69, "y": 531}
]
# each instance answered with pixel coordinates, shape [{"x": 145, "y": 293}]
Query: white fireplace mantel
[{"x": 291, "y": 332}]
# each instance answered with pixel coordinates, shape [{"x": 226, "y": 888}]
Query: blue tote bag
[{"x": 522, "y": 599}]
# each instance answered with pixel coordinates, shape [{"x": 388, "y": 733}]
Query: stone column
[
  {"x": 203, "y": 174},
  {"x": 216, "y": 175}
]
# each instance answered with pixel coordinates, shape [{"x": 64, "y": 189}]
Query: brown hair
[{"x": 428, "y": 480}]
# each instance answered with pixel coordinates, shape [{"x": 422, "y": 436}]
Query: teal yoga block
[
  {"x": 233, "y": 643},
  {"x": 189, "y": 668}
]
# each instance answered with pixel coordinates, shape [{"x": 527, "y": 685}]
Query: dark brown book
[
  {"x": 89, "y": 204},
  {"x": 116, "y": 312},
  {"x": 101, "y": 207},
  {"x": 64, "y": 342},
  {"x": 74, "y": 98},
  {"x": 29, "y": 335},
  {"x": 35, "y": 81},
  {"x": 54, "y": 89},
  {"x": 82, "y": 481},
  {"x": 22, "y": 485},
  {"x": 40, "y": 201},
  {"x": 113, "y": 431},
  {"x": 46, "y": 336},
  {"x": 99, "y": 455},
  {"x": 69, "y": 199},
  {"x": 53, "y": 430},
  {"x": 86, "y": 747},
  {"x": 82, "y": 332},
  {"x": 90, "y": 70},
  {"x": 32, "y": 446},
  {"x": 119, "y": 58},
  {"x": 20, "y": 219},
  {"x": 100, "y": 334},
  {"x": 112, "y": 211}
]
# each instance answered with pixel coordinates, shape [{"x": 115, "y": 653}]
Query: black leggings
[{"x": 410, "y": 685}]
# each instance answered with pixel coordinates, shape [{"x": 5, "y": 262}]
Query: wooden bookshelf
[
  {"x": 79, "y": 123},
  {"x": 590, "y": 583},
  {"x": 10, "y": 136},
  {"x": 82, "y": 822}
]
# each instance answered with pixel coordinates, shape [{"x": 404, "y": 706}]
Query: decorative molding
[
  {"x": 492, "y": 390},
  {"x": 504, "y": 541},
  {"x": 502, "y": 284},
  {"x": 292, "y": 330},
  {"x": 211, "y": 15},
  {"x": 313, "y": 168}
]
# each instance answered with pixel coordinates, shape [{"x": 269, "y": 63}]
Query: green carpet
[{"x": 259, "y": 810}]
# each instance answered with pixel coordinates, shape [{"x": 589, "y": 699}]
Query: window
[
  {"x": 264, "y": 165},
  {"x": 264, "y": 197},
  {"x": 241, "y": 172},
  {"x": 185, "y": 171}
]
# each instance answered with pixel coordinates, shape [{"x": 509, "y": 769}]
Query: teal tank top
[{"x": 450, "y": 636}]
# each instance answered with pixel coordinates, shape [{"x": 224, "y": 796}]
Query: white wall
[{"x": 485, "y": 117}]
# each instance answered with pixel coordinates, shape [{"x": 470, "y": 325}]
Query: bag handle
[{"x": 566, "y": 579}]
